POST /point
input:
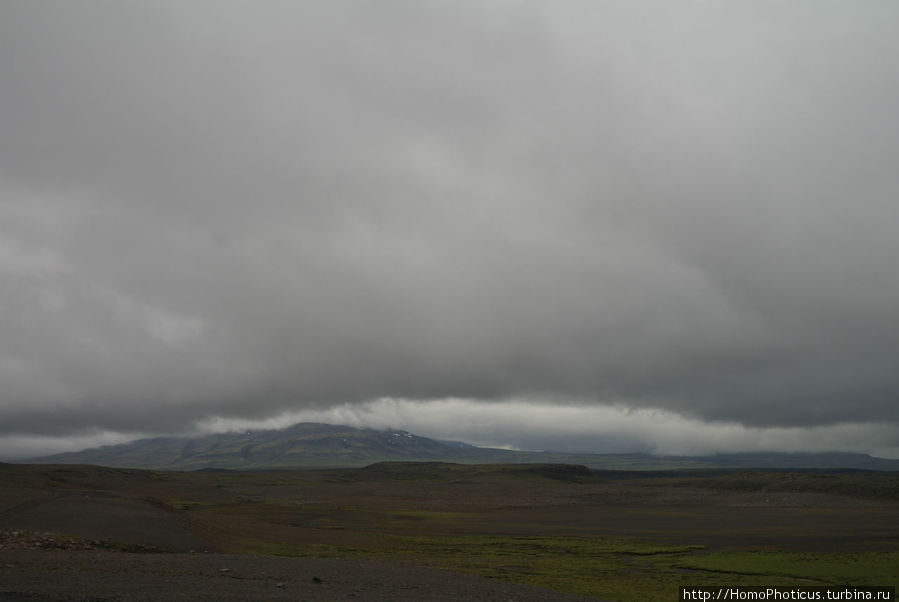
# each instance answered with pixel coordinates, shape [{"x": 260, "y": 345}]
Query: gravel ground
[
  {"x": 103, "y": 516},
  {"x": 96, "y": 575}
]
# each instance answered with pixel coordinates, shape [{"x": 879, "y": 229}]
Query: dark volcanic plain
[{"x": 436, "y": 531}]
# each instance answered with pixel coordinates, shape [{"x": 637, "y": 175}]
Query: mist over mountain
[{"x": 316, "y": 445}]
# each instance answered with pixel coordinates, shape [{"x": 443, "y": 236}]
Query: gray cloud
[
  {"x": 529, "y": 424},
  {"x": 240, "y": 209}
]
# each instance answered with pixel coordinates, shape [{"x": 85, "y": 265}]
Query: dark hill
[
  {"x": 301, "y": 445},
  {"x": 315, "y": 445}
]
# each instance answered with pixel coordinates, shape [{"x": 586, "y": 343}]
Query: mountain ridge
[{"x": 319, "y": 445}]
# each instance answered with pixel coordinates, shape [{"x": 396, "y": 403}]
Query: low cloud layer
[
  {"x": 674, "y": 214},
  {"x": 529, "y": 425}
]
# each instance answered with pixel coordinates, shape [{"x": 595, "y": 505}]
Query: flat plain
[{"x": 438, "y": 531}]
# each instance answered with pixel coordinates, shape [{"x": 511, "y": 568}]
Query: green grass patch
[
  {"x": 860, "y": 569},
  {"x": 613, "y": 568}
]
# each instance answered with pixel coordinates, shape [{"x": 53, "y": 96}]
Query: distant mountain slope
[
  {"x": 315, "y": 445},
  {"x": 302, "y": 445},
  {"x": 803, "y": 460}
]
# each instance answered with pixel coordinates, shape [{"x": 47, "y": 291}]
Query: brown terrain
[{"x": 90, "y": 533}]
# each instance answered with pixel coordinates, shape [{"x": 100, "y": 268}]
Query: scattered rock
[{"x": 26, "y": 540}]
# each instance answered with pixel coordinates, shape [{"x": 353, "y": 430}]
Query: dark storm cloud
[{"x": 236, "y": 209}]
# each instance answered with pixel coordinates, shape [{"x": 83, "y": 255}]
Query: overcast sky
[{"x": 594, "y": 225}]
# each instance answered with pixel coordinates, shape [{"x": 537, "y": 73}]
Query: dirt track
[{"x": 113, "y": 576}]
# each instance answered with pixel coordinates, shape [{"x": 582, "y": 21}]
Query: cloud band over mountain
[{"x": 241, "y": 210}]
